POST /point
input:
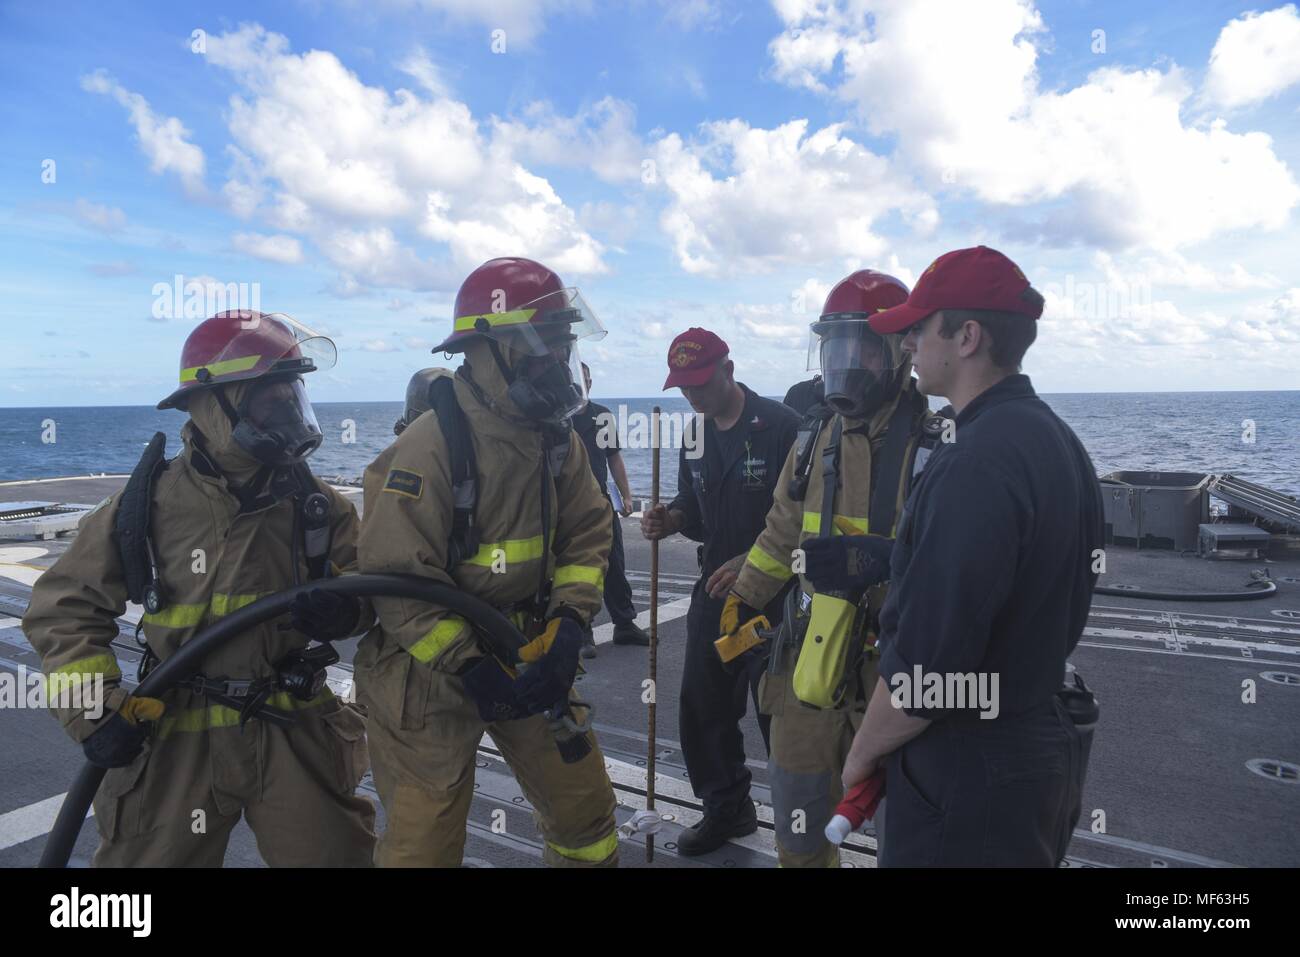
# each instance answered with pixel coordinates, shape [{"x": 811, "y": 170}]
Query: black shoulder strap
[
  {"x": 810, "y": 427},
  {"x": 463, "y": 467},
  {"x": 894, "y": 467},
  {"x": 313, "y": 516},
  {"x": 131, "y": 527}
]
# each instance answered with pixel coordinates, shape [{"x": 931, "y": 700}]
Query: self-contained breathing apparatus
[
  {"x": 435, "y": 390},
  {"x": 302, "y": 673},
  {"x": 828, "y": 634}
]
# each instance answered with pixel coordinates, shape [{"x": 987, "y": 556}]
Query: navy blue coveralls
[
  {"x": 726, "y": 506},
  {"x": 992, "y": 574}
]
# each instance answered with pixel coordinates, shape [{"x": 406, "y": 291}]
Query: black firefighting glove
[
  {"x": 493, "y": 691},
  {"x": 120, "y": 738},
  {"x": 847, "y": 562},
  {"x": 552, "y": 659},
  {"x": 325, "y": 615}
]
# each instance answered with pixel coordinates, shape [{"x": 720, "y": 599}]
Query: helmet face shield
[
  {"x": 271, "y": 339},
  {"x": 550, "y": 385},
  {"x": 860, "y": 368},
  {"x": 539, "y": 327},
  {"x": 277, "y": 425}
]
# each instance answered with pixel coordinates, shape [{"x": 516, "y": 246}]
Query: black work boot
[
  {"x": 588, "y": 645},
  {"x": 716, "y": 829},
  {"x": 630, "y": 634}
]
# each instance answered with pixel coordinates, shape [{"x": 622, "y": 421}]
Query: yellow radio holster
[{"x": 828, "y": 644}]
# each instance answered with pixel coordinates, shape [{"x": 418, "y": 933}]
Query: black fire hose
[
  {"x": 1259, "y": 589},
  {"x": 502, "y": 637}
]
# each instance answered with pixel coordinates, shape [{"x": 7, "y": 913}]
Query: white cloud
[
  {"x": 601, "y": 137},
  {"x": 162, "y": 139},
  {"x": 1255, "y": 57},
  {"x": 689, "y": 14},
  {"x": 1173, "y": 269},
  {"x": 363, "y": 171},
  {"x": 276, "y": 249},
  {"x": 780, "y": 196},
  {"x": 107, "y": 219},
  {"x": 957, "y": 84},
  {"x": 522, "y": 20},
  {"x": 425, "y": 72},
  {"x": 378, "y": 345}
]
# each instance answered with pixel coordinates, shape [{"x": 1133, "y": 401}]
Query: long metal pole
[{"x": 654, "y": 632}]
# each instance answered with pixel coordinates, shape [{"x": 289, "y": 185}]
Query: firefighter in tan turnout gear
[
  {"x": 488, "y": 491},
  {"x": 860, "y": 445},
  {"x": 235, "y": 516}
]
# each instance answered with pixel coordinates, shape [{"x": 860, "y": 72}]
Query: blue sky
[{"x": 704, "y": 162}]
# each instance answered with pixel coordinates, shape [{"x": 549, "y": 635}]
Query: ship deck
[{"x": 1184, "y": 772}]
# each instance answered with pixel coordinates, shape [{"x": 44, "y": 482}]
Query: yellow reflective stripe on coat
[
  {"x": 223, "y": 605},
  {"x": 219, "y": 716},
  {"x": 512, "y": 317},
  {"x": 812, "y": 523},
  {"x": 591, "y": 853},
  {"x": 187, "y": 616},
  {"x": 438, "y": 637},
  {"x": 513, "y": 550},
  {"x": 242, "y": 364},
  {"x": 569, "y": 574},
  {"x": 96, "y": 666},
  {"x": 768, "y": 565},
  {"x": 176, "y": 616}
]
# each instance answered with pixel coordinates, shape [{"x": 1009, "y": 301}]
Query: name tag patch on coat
[{"x": 405, "y": 483}]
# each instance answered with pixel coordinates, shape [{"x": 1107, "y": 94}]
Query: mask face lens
[{"x": 282, "y": 416}]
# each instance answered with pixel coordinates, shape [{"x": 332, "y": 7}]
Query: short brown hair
[{"x": 1012, "y": 334}]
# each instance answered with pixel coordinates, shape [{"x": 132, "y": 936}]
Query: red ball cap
[
  {"x": 976, "y": 278},
  {"x": 693, "y": 356}
]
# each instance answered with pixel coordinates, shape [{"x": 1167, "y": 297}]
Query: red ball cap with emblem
[
  {"x": 692, "y": 358},
  {"x": 975, "y": 278}
]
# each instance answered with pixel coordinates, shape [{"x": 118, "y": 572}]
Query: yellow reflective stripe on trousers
[
  {"x": 765, "y": 563},
  {"x": 513, "y": 550},
  {"x": 569, "y": 574},
  {"x": 219, "y": 716},
  {"x": 242, "y": 364},
  {"x": 187, "y": 616},
  {"x": 512, "y": 317},
  {"x": 591, "y": 853},
  {"x": 812, "y": 523},
  {"x": 439, "y": 637}
]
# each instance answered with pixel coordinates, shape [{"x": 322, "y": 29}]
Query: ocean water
[{"x": 1254, "y": 435}]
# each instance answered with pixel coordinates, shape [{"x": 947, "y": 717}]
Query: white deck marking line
[
  {"x": 1153, "y": 850},
  {"x": 667, "y": 612},
  {"x": 630, "y": 775},
  {"x": 1186, "y": 654},
  {"x": 25, "y": 823}
]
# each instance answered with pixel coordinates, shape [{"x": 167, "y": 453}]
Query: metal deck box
[{"x": 1155, "y": 509}]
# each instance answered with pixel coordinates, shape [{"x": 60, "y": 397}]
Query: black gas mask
[
  {"x": 861, "y": 370},
  {"x": 544, "y": 388},
  {"x": 274, "y": 423}
]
